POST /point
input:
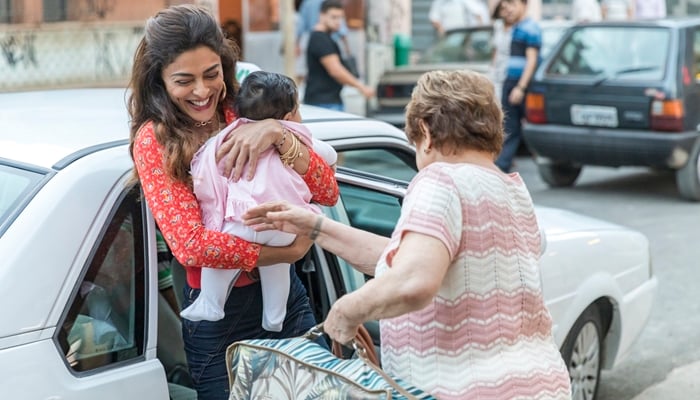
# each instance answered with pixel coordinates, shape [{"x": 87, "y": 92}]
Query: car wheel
[
  {"x": 558, "y": 174},
  {"x": 688, "y": 178},
  {"x": 581, "y": 352}
]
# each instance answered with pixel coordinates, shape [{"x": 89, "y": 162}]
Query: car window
[
  {"x": 105, "y": 321},
  {"x": 370, "y": 210},
  {"x": 613, "y": 53},
  {"x": 550, "y": 37},
  {"x": 390, "y": 162},
  {"x": 461, "y": 46},
  {"x": 15, "y": 185}
]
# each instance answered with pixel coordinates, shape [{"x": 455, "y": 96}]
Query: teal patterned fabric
[{"x": 300, "y": 369}]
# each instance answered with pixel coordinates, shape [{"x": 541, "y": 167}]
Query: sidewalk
[{"x": 682, "y": 383}]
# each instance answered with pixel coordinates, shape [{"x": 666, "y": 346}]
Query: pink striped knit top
[{"x": 487, "y": 334}]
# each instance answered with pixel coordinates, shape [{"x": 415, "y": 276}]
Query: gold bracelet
[
  {"x": 317, "y": 228},
  {"x": 290, "y": 156}
]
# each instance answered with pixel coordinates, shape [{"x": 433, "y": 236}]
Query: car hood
[{"x": 554, "y": 221}]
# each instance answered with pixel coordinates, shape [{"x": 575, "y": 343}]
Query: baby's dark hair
[{"x": 266, "y": 95}]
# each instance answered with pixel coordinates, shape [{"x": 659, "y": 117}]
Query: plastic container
[{"x": 402, "y": 49}]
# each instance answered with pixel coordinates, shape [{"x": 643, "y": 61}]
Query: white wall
[{"x": 67, "y": 54}]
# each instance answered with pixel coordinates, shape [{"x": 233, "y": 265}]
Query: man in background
[
  {"x": 327, "y": 75},
  {"x": 307, "y": 18}
]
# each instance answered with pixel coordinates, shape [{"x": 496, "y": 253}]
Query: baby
[{"x": 262, "y": 95}]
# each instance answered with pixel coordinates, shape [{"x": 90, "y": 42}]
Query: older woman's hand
[
  {"x": 281, "y": 215},
  {"x": 340, "y": 325},
  {"x": 244, "y": 146}
]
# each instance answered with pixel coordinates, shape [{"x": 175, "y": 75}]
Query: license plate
[{"x": 594, "y": 115}]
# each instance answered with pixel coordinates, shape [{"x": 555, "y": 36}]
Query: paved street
[{"x": 664, "y": 363}]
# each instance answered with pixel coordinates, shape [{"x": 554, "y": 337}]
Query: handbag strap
[{"x": 364, "y": 347}]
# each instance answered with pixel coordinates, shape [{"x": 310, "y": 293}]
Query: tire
[
  {"x": 687, "y": 178},
  {"x": 558, "y": 174},
  {"x": 582, "y": 351}
]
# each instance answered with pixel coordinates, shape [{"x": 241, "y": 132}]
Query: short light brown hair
[{"x": 460, "y": 110}]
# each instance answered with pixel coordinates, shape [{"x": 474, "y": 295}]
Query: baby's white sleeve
[{"x": 325, "y": 150}]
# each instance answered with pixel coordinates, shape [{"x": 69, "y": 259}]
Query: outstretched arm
[
  {"x": 359, "y": 248},
  {"x": 409, "y": 285}
]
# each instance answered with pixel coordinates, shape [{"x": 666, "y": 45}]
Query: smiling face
[{"x": 195, "y": 83}]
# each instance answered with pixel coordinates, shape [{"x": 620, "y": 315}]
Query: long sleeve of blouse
[{"x": 177, "y": 213}]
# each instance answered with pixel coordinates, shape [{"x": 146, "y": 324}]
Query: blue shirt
[{"x": 525, "y": 34}]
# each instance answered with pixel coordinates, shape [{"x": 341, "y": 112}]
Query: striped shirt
[
  {"x": 487, "y": 333},
  {"x": 526, "y": 34}
]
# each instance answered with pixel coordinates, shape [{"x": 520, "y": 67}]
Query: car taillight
[
  {"x": 534, "y": 108},
  {"x": 389, "y": 91},
  {"x": 667, "y": 115}
]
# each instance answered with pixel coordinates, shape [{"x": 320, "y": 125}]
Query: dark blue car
[{"x": 619, "y": 94}]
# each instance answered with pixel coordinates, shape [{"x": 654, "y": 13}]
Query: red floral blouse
[{"x": 179, "y": 218}]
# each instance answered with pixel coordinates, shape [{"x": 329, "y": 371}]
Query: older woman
[{"x": 457, "y": 287}]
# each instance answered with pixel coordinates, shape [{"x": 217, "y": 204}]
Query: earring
[
  {"x": 426, "y": 150},
  {"x": 223, "y": 94}
]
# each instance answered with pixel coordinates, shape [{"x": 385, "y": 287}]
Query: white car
[{"x": 85, "y": 319}]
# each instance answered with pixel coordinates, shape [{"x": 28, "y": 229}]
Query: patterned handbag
[{"x": 301, "y": 369}]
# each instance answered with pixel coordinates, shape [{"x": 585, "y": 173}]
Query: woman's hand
[
  {"x": 281, "y": 215},
  {"x": 244, "y": 146},
  {"x": 340, "y": 325}
]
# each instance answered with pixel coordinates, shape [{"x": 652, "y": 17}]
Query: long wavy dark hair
[{"x": 168, "y": 34}]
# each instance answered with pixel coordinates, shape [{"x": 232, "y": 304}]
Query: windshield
[
  {"x": 461, "y": 46},
  {"x": 613, "y": 54},
  {"x": 15, "y": 186}
]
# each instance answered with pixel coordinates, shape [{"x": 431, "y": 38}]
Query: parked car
[
  {"x": 619, "y": 94},
  {"x": 469, "y": 48},
  {"x": 79, "y": 254}
]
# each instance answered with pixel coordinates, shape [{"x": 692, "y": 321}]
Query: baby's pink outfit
[{"x": 223, "y": 203}]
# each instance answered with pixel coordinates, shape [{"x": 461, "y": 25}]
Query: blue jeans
[
  {"x": 512, "y": 124},
  {"x": 330, "y": 106},
  {"x": 206, "y": 341}
]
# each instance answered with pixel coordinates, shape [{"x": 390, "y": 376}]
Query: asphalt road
[{"x": 647, "y": 201}]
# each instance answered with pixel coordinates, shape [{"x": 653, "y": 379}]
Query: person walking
[
  {"x": 327, "y": 75},
  {"x": 526, "y": 40},
  {"x": 181, "y": 92},
  {"x": 456, "y": 288}
]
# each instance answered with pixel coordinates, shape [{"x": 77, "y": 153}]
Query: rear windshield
[
  {"x": 15, "y": 186},
  {"x": 613, "y": 54},
  {"x": 461, "y": 46}
]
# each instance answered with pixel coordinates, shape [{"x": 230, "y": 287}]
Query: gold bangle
[
  {"x": 317, "y": 228},
  {"x": 290, "y": 156}
]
